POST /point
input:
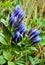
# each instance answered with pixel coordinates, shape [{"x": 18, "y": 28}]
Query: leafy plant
[{"x": 14, "y": 51}]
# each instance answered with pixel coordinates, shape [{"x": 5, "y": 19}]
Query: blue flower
[
  {"x": 19, "y": 13},
  {"x": 17, "y": 37},
  {"x": 34, "y": 35},
  {"x": 22, "y": 28},
  {"x": 17, "y": 10},
  {"x": 13, "y": 20},
  {"x": 36, "y": 40},
  {"x": 17, "y": 16}
]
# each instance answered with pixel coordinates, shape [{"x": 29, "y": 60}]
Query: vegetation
[{"x": 22, "y": 52}]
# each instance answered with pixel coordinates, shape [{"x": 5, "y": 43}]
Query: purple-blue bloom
[
  {"x": 18, "y": 15},
  {"x": 21, "y": 15},
  {"x": 19, "y": 12},
  {"x": 34, "y": 32},
  {"x": 36, "y": 40},
  {"x": 13, "y": 20},
  {"x": 30, "y": 31},
  {"x": 22, "y": 28},
  {"x": 34, "y": 35},
  {"x": 17, "y": 37}
]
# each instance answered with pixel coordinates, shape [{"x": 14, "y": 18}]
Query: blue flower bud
[
  {"x": 36, "y": 40},
  {"x": 22, "y": 28},
  {"x": 17, "y": 10},
  {"x": 18, "y": 15},
  {"x": 21, "y": 15},
  {"x": 17, "y": 37},
  {"x": 30, "y": 31},
  {"x": 36, "y": 33},
  {"x": 13, "y": 20},
  {"x": 33, "y": 32},
  {"x": 33, "y": 35},
  {"x": 23, "y": 44}
]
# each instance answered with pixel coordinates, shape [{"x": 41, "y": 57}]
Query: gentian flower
[
  {"x": 36, "y": 40},
  {"x": 19, "y": 12},
  {"x": 22, "y": 28},
  {"x": 21, "y": 15},
  {"x": 34, "y": 35},
  {"x": 18, "y": 15},
  {"x": 13, "y": 20},
  {"x": 17, "y": 37}
]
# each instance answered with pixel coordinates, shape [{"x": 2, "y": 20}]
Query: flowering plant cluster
[
  {"x": 18, "y": 39},
  {"x": 18, "y": 16}
]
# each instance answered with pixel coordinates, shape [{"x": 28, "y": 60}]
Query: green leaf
[
  {"x": 4, "y": 22},
  {"x": 10, "y": 63},
  {"x": 33, "y": 48},
  {"x": 7, "y": 55},
  {"x": 43, "y": 24},
  {"x": 2, "y": 60},
  {"x": 2, "y": 35},
  {"x": 2, "y": 40},
  {"x": 31, "y": 60},
  {"x": 34, "y": 61},
  {"x": 20, "y": 62},
  {"x": 42, "y": 41},
  {"x": 6, "y": 30}
]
